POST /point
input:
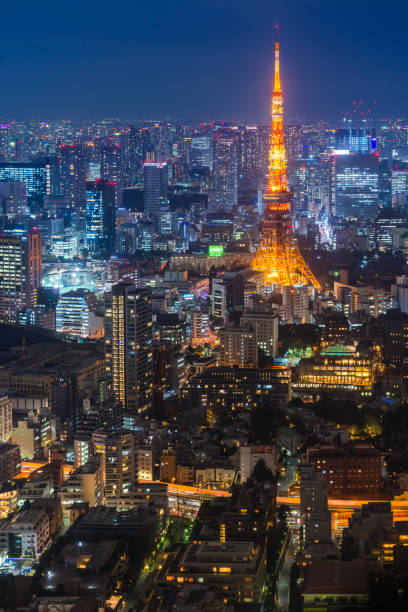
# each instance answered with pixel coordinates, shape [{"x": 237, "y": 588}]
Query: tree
[{"x": 262, "y": 473}]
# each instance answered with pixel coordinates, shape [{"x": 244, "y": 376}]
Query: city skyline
[{"x": 85, "y": 64}]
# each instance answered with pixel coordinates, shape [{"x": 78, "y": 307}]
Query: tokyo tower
[{"x": 278, "y": 255}]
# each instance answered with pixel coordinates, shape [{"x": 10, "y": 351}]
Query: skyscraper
[
  {"x": 73, "y": 160},
  {"x": 20, "y": 273},
  {"x": 128, "y": 346},
  {"x": 201, "y": 151},
  {"x": 100, "y": 216},
  {"x": 112, "y": 168},
  {"x": 35, "y": 175},
  {"x": 225, "y": 169},
  {"x": 155, "y": 189},
  {"x": 354, "y": 185}
]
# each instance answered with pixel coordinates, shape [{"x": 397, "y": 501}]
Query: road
[
  {"x": 291, "y": 467},
  {"x": 284, "y": 576}
]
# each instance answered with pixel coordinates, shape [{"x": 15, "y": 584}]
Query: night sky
[{"x": 193, "y": 59}]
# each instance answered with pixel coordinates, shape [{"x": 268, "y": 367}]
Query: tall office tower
[
  {"x": 120, "y": 467},
  {"x": 20, "y": 274},
  {"x": 139, "y": 145},
  {"x": 112, "y": 168},
  {"x": 100, "y": 217},
  {"x": 249, "y": 170},
  {"x": 264, "y": 143},
  {"x": 5, "y": 142},
  {"x": 293, "y": 139},
  {"x": 356, "y": 140},
  {"x": 35, "y": 175},
  {"x": 315, "y": 515},
  {"x": 225, "y": 169},
  {"x": 128, "y": 346},
  {"x": 13, "y": 199},
  {"x": 354, "y": 185},
  {"x": 160, "y": 138},
  {"x": 201, "y": 151},
  {"x": 156, "y": 178},
  {"x": 73, "y": 161},
  {"x": 278, "y": 255}
]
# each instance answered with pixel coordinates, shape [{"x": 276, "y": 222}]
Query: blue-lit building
[
  {"x": 100, "y": 216},
  {"x": 35, "y": 175},
  {"x": 354, "y": 185}
]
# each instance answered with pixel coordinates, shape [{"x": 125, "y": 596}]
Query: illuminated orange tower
[{"x": 278, "y": 255}]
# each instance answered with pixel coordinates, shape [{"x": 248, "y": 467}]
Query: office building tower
[
  {"x": 139, "y": 145},
  {"x": 225, "y": 170},
  {"x": 128, "y": 346},
  {"x": 6, "y": 418},
  {"x": 20, "y": 273},
  {"x": 5, "y": 142},
  {"x": 74, "y": 316},
  {"x": 100, "y": 216},
  {"x": 249, "y": 170},
  {"x": 112, "y": 168},
  {"x": 73, "y": 162},
  {"x": 35, "y": 175},
  {"x": 201, "y": 151},
  {"x": 13, "y": 199},
  {"x": 155, "y": 189},
  {"x": 160, "y": 141},
  {"x": 354, "y": 185},
  {"x": 355, "y": 140}
]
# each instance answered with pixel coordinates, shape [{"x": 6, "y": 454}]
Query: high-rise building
[
  {"x": 278, "y": 255},
  {"x": 100, "y": 216},
  {"x": 201, "y": 151},
  {"x": 73, "y": 159},
  {"x": 249, "y": 171},
  {"x": 225, "y": 169},
  {"x": 20, "y": 273},
  {"x": 13, "y": 199},
  {"x": 35, "y": 175},
  {"x": 356, "y": 140},
  {"x": 75, "y": 317},
  {"x": 354, "y": 185},
  {"x": 128, "y": 346},
  {"x": 112, "y": 168},
  {"x": 156, "y": 179}
]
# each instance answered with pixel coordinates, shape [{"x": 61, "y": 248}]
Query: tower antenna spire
[{"x": 277, "y": 84}]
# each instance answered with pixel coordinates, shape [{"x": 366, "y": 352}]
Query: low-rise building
[
  {"x": 27, "y": 535},
  {"x": 335, "y": 583},
  {"x": 236, "y": 569}
]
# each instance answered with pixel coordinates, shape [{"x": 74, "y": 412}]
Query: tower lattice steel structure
[{"x": 278, "y": 255}]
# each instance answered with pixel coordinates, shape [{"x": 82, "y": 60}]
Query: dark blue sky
[{"x": 200, "y": 58}]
